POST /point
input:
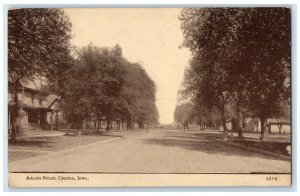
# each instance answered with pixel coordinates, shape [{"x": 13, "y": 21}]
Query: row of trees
[
  {"x": 102, "y": 83},
  {"x": 90, "y": 80},
  {"x": 240, "y": 62},
  {"x": 194, "y": 114},
  {"x": 185, "y": 112}
]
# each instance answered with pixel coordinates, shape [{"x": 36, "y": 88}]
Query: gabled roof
[
  {"x": 48, "y": 100},
  {"x": 51, "y": 99}
]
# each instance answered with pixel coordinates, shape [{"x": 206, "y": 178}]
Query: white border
[{"x": 51, "y": 3}]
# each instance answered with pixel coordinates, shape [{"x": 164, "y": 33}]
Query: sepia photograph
[{"x": 149, "y": 97}]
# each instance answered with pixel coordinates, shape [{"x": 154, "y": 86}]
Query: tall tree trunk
[
  {"x": 200, "y": 125},
  {"x": 223, "y": 119},
  {"x": 262, "y": 124},
  {"x": 133, "y": 122},
  {"x": 98, "y": 124},
  {"x": 264, "y": 129},
  {"x": 240, "y": 133},
  {"x": 129, "y": 122},
  {"x": 82, "y": 126},
  {"x": 235, "y": 124},
  {"x": 239, "y": 118},
  {"x": 107, "y": 124},
  {"x": 240, "y": 125},
  {"x": 15, "y": 112},
  {"x": 224, "y": 123},
  {"x": 68, "y": 129},
  {"x": 280, "y": 127},
  {"x": 121, "y": 124}
]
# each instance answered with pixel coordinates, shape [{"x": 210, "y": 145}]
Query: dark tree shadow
[
  {"x": 111, "y": 133},
  {"x": 40, "y": 142},
  {"x": 213, "y": 144}
]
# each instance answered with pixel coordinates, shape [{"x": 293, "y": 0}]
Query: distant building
[
  {"x": 38, "y": 110},
  {"x": 254, "y": 125}
]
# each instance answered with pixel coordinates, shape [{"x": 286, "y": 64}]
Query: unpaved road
[{"x": 158, "y": 151}]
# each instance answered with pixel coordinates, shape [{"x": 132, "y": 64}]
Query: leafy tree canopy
[
  {"x": 240, "y": 56},
  {"x": 38, "y": 42}
]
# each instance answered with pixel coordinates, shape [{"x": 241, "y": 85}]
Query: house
[
  {"x": 38, "y": 110},
  {"x": 251, "y": 124}
]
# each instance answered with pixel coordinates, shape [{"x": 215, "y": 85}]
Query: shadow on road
[{"x": 208, "y": 143}]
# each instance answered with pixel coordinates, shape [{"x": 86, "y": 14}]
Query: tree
[
  {"x": 93, "y": 84},
  {"x": 241, "y": 58},
  {"x": 266, "y": 56},
  {"x": 185, "y": 112},
  {"x": 38, "y": 45},
  {"x": 139, "y": 96},
  {"x": 104, "y": 83},
  {"x": 208, "y": 79}
]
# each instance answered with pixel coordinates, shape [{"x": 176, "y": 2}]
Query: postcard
[{"x": 149, "y": 97}]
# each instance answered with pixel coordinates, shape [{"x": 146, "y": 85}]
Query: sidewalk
[{"x": 37, "y": 144}]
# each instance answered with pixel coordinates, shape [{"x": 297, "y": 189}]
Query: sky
[{"x": 150, "y": 36}]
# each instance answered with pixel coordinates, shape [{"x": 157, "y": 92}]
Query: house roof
[
  {"x": 51, "y": 99},
  {"x": 48, "y": 100},
  {"x": 34, "y": 85}
]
